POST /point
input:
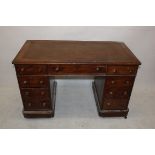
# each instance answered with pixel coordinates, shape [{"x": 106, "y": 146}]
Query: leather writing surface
[{"x": 48, "y": 51}]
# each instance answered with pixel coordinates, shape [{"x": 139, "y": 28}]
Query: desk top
[{"x": 52, "y": 52}]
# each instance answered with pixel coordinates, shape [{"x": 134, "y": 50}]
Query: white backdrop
[{"x": 141, "y": 40}]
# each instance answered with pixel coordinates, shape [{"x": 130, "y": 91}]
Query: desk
[{"x": 112, "y": 65}]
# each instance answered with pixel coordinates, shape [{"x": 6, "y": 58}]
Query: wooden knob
[
  {"x": 130, "y": 70},
  {"x": 125, "y": 92},
  {"x": 57, "y": 69},
  {"x": 41, "y": 82},
  {"x": 44, "y": 104},
  {"x": 127, "y": 82},
  {"x": 25, "y": 82},
  {"x": 110, "y": 92},
  {"x": 97, "y": 68},
  {"x": 112, "y": 81},
  {"x": 108, "y": 103},
  {"x": 29, "y": 104},
  {"x": 22, "y": 69},
  {"x": 27, "y": 93},
  {"x": 42, "y": 92},
  {"x": 114, "y": 70}
]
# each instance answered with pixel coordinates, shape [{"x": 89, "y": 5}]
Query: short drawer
[
  {"x": 117, "y": 93},
  {"x": 31, "y": 69},
  {"x": 33, "y": 81},
  {"x": 35, "y": 93},
  {"x": 119, "y": 81},
  {"x": 109, "y": 104},
  {"x": 37, "y": 105},
  {"x": 120, "y": 70},
  {"x": 62, "y": 69}
]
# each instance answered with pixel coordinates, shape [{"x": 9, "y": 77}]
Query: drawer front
[
  {"x": 120, "y": 70},
  {"x": 37, "y": 105},
  {"x": 76, "y": 69},
  {"x": 109, "y": 104},
  {"x": 31, "y": 69},
  {"x": 117, "y": 93},
  {"x": 33, "y": 81},
  {"x": 35, "y": 93},
  {"x": 119, "y": 81}
]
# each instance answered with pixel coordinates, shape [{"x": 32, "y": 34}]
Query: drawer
[
  {"x": 33, "y": 81},
  {"x": 119, "y": 81},
  {"x": 37, "y": 105},
  {"x": 109, "y": 104},
  {"x": 35, "y": 93},
  {"x": 118, "y": 70},
  {"x": 117, "y": 93},
  {"x": 76, "y": 69},
  {"x": 31, "y": 69}
]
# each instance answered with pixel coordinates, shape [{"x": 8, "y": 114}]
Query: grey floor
[{"x": 76, "y": 108}]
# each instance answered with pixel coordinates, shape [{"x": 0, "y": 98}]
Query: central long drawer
[{"x": 76, "y": 69}]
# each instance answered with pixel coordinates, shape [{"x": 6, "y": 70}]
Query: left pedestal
[
  {"x": 44, "y": 108},
  {"x": 37, "y": 91}
]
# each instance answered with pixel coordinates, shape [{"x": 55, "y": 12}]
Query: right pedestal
[{"x": 112, "y": 94}]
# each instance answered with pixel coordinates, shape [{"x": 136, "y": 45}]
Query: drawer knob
[
  {"x": 29, "y": 104},
  {"x": 125, "y": 92},
  {"x": 41, "y": 82},
  {"x": 25, "y": 82},
  {"x": 130, "y": 70},
  {"x": 42, "y": 92},
  {"x": 22, "y": 69},
  {"x": 110, "y": 92},
  {"x": 112, "y": 81},
  {"x": 100, "y": 68},
  {"x": 44, "y": 104},
  {"x": 27, "y": 93},
  {"x": 57, "y": 69},
  {"x": 97, "y": 68},
  {"x": 114, "y": 70},
  {"x": 127, "y": 82},
  {"x": 108, "y": 103}
]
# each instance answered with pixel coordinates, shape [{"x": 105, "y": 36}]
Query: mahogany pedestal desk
[{"x": 112, "y": 65}]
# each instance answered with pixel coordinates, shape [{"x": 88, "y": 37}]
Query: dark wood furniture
[{"x": 112, "y": 65}]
